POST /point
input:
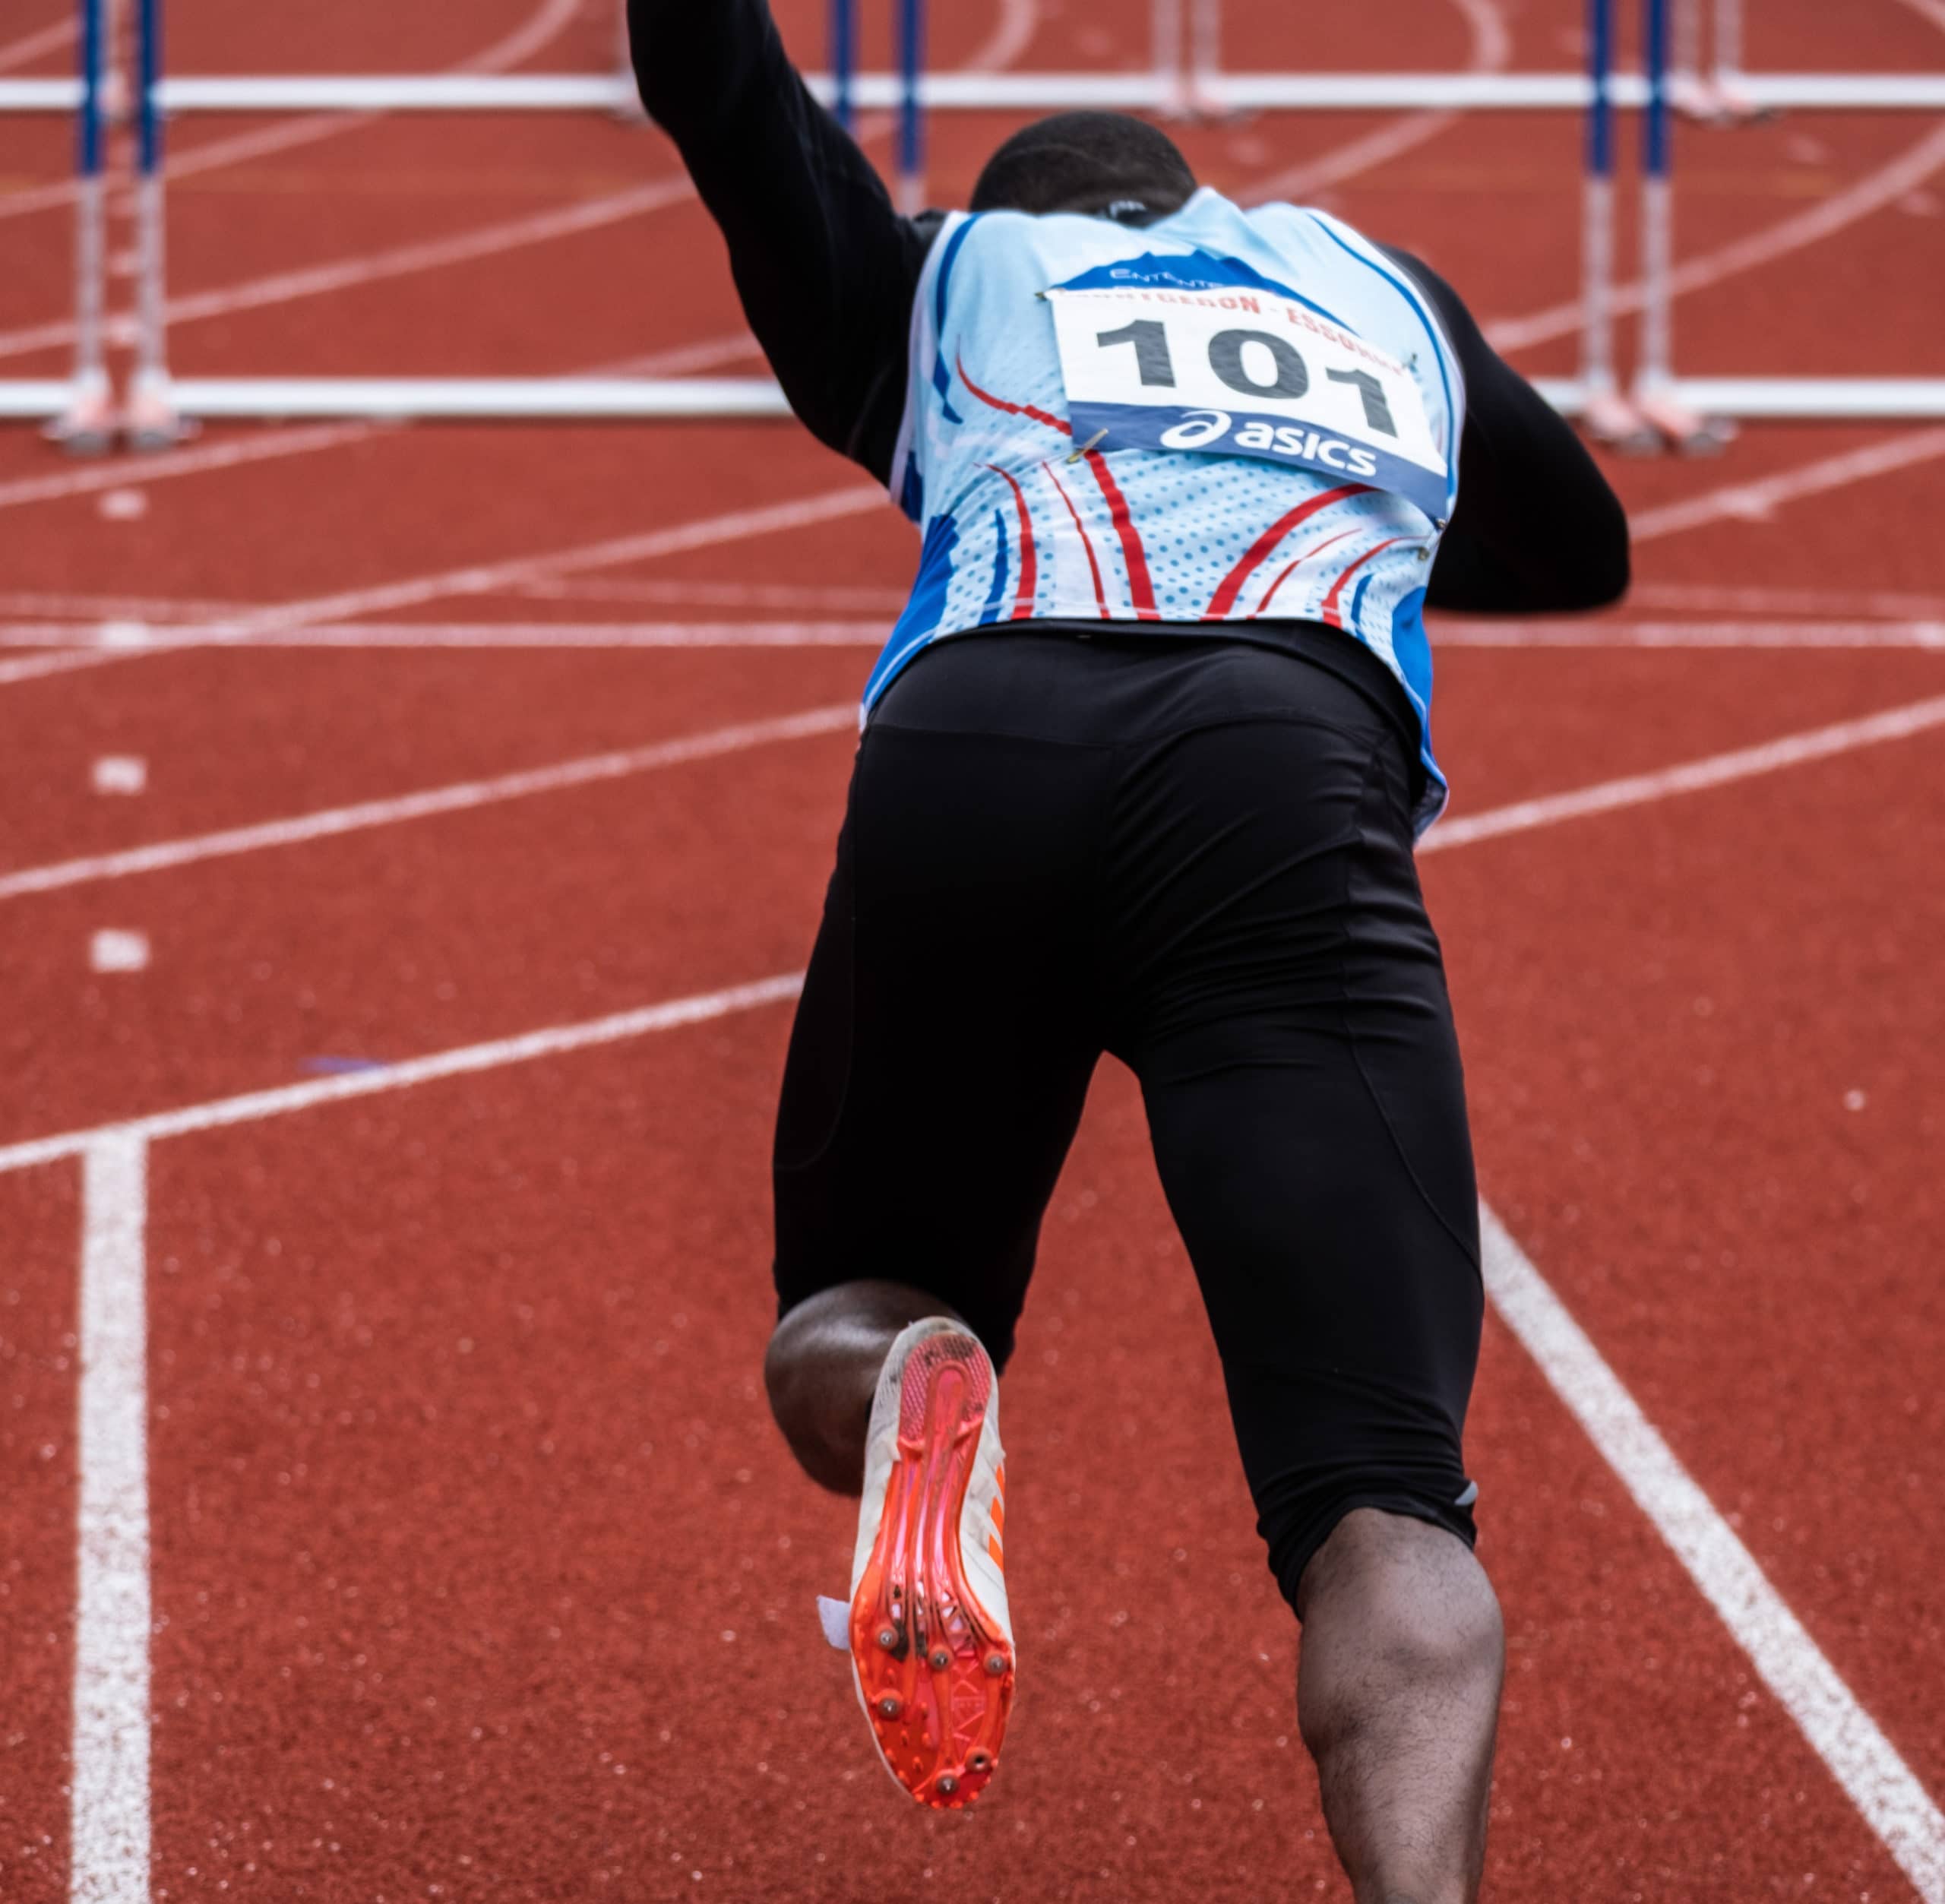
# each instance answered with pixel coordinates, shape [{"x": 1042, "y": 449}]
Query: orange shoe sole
[{"x": 936, "y": 1677}]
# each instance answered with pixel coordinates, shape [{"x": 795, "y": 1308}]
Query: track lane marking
[
  {"x": 556, "y": 637},
  {"x": 482, "y": 579},
  {"x": 538, "y": 635},
  {"x": 456, "y": 1061},
  {"x": 109, "y": 1807},
  {"x": 111, "y": 1801},
  {"x": 1521, "y": 816},
  {"x": 1692, "y": 776},
  {"x": 1491, "y": 52},
  {"x": 47, "y": 40},
  {"x": 1754, "y": 501},
  {"x": 547, "y": 21},
  {"x": 462, "y": 796},
  {"x": 1864, "y": 1762},
  {"x": 678, "y": 360}
]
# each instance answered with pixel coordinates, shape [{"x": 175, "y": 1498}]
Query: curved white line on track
[
  {"x": 1018, "y": 20},
  {"x": 465, "y": 796},
  {"x": 230, "y": 453},
  {"x": 1599, "y": 631},
  {"x": 1492, "y": 48},
  {"x": 801, "y": 512},
  {"x": 546, "y": 22},
  {"x": 1865, "y": 1764},
  {"x": 21, "y": 52},
  {"x": 1890, "y": 182}
]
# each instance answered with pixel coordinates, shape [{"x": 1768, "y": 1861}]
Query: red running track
[{"x": 478, "y": 1571}]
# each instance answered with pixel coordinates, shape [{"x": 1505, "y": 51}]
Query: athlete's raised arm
[
  {"x": 825, "y": 266},
  {"x": 1538, "y": 529}
]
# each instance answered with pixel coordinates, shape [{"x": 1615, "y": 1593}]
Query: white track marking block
[
  {"x": 121, "y": 773},
  {"x": 118, "y": 951}
]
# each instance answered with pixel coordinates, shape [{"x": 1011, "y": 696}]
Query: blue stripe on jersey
[
  {"x": 1398, "y": 285},
  {"x": 925, "y": 610},
  {"x": 941, "y": 377},
  {"x": 1002, "y": 569},
  {"x": 1357, "y": 597}
]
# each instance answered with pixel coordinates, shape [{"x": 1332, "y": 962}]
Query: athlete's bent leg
[
  {"x": 822, "y": 1371},
  {"x": 1398, "y": 1699}
]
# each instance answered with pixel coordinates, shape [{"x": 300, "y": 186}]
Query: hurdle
[
  {"x": 75, "y": 407},
  {"x": 1185, "y": 75}
]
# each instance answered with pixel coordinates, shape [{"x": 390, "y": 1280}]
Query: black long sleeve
[
  {"x": 826, "y": 267},
  {"x": 1538, "y": 529}
]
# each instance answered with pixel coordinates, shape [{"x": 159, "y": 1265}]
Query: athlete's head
[{"x": 1104, "y": 163}]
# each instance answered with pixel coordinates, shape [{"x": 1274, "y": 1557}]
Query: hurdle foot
[
  {"x": 1616, "y": 424},
  {"x": 152, "y": 421},
  {"x": 1683, "y": 429},
  {"x": 88, "y": 426}
]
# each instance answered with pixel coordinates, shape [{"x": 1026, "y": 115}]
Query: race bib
[{"x": 1243, "y": 372}]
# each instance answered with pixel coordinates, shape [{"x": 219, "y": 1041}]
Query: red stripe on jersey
[
  {"x": 1315, "y": 548},
  {"x": 1141, "y": 589},
  {"x": 1012, "y": 409},
  {"x": 1330, "y": 614},
  {"x": 1029, "y": 570},
  {"x": 1265, "y": 545},
  {"x": 1093, "y": 567}
]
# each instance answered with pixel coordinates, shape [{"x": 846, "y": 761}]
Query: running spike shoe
[{"x": 930, "y": 1638}]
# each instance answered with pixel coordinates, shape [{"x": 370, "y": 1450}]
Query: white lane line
[
  {"x": 1711, "y": 598},
  {"x": 1864, "y": 1762},
  {"x": 1755, "y": 501},
  {"x": 486, "y": 578},
  {"x": 79, "y": 610},
  {"x": 463, "y": 796},
  {"x": 793, "y": 597},
  {"x": 1456, "y": 632},
  {"x": 21, "y": 53},
  {"x": 371, "y": 267},
  {"x": 67, "y": 636},
  {"x": 708, "y": 353},
  {"x": 1606, "y": 796},
  {"x": 1452, "y": 631},
  {"x": 1491, "y": 50},
  {"x": 109, "y": 1806},
  {"x": 1890, "y": 182},
  {"x": 459, "y": 1061},
  {"x": 225, "y": 455},
  {"x": 1014, "y": 27},
  {"x": 188, "y": 159},
  {"x": 1693, "y": 777},
  {"x": 114, "y": 951}
]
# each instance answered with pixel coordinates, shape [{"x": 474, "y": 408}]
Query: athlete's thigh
[
  {"x": 1307, "y": 1105},
  {"x": 943, "y": 1043}
]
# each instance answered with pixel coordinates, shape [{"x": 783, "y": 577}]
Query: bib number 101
[{"x": 1237, "y": 357}]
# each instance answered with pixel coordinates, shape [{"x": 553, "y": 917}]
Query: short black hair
[{"x": 1093, "y": 161}]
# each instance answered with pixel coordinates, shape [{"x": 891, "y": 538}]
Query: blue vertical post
[
  {"x": 1597, "y": 368},
  {"x": 911, "y": 106},
  {"x": 87, "y": 125},
  {"x": 844, "y": 61},
  {"x": 153, "y": 421},
  {"x": 1657, "y": 368},
  {"x": 148, "y": 158},
  {"x": 87, "y": 424}
]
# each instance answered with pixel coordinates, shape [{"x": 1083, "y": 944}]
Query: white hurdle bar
[
  {"x": 755, "y": 399},
  {"x": 1154, "y": 91}
]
